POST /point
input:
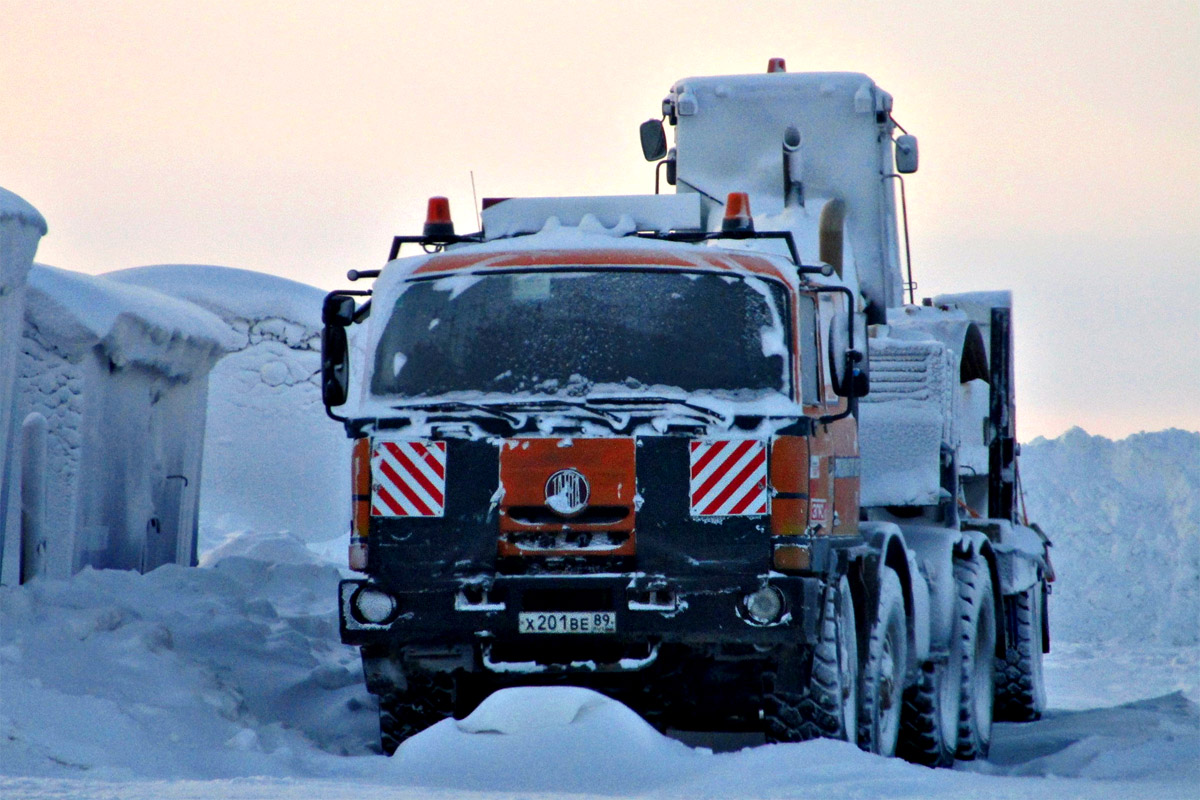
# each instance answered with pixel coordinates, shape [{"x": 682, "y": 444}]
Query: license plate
[{"x": 568, "y": 622}]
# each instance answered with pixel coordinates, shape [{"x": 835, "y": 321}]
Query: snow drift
[
  {"x": 112, "y": 682},
  {"x": 1125, "y": 520}
]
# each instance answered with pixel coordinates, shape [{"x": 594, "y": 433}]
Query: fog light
[
  {"x": 764, "y": 606},
  {"x": 374, "y": 606}
]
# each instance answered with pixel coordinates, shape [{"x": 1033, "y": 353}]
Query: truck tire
[
  {"x": 428, "y": 700},
  {"x": 827, "y": 707},
  {"x": 1020, "y": 684},
  {"x": 977, "y": 614},
  {"x": 848, "y": 663},
  {"x": 882, "y": 684},
  {"x": 929, "y": 720}
]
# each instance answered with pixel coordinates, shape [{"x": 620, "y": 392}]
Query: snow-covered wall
[
  {"x": 273, "y": 461},
  {"x": 21, "y": 227},
  {"x": 119, "y": 376}
]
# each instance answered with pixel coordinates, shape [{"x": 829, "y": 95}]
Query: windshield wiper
[
  {"x": 458, "y": 405},
  {"x": 580, "y": 405},
  {"x": 709, "y": 413}
]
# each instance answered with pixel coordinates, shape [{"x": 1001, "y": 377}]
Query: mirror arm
[{"x": 335, "y": 417}]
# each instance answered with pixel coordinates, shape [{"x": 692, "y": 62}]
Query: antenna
[{"x": 475, "y": 197}]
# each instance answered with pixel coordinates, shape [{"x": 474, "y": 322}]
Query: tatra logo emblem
[{"x": 567, "y": 492}]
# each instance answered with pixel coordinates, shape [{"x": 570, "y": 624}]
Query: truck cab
[{"x": 598, "y": 459}]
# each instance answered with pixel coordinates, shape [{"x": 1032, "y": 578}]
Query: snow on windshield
[{"x": 563, "y": 333}]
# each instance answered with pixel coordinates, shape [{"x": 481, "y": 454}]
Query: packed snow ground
[{"x": 230, "y": 681}]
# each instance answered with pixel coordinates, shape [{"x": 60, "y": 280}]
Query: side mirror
[
  {"x": 335, "y": 366},
  {"x": 654, "y": 139},
  {"x": 906, "y": 154},
  {"x": 337, "y": 314},
  {"x": 849, "y": 365},
  {"x": 338, "y": 310}
]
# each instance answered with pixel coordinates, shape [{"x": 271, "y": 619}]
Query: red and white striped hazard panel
[
  {"x": 729, "y": 478},
  {"x": 408, "y": 479}
]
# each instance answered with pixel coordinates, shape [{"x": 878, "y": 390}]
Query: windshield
[{"x": 562, "y": 333}]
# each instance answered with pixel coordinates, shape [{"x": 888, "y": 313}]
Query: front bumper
[{"x": 649, "y": 610}]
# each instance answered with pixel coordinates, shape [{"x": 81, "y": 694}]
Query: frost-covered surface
[
  {"x": 273, "y": 461},
  {"x": 51, "y": 384},
  {"x": 229, "y": 681},
  {"x": 904, "y": 420},
  {"x": 131, "y": 324},
  {"x": 840, "y": 157},
  {"x": 16, "y": 209},
  {"x": 21, "y": 228},
  {"x": 119, "y": 374},
  {"x": 591, "y": 234},
  {"x": 257, "y": 305}
]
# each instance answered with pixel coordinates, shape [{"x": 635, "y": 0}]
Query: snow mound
[
  {"x": 179, "y": 673},
  {"x": 1124, "y": 517},
  {"x": 526, "y": 708},
  {"x": 560, "y": 738},
  {"x": 255, "y": 304},
  {"x": 275, "y": 548}
]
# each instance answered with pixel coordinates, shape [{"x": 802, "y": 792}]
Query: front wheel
[
  {"x": 882, "y": 684},
  {"x": 428, "y": 700}
]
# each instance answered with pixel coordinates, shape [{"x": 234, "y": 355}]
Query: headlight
[
  {"x": 764, "y": 606},
  {"x": 373, "y": 606}
]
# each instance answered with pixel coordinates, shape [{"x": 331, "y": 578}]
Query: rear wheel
[
  {"x": 929, "y": 722},
  {"x": 977, "y": 614},
  {"x": 882, "y": 683},
  {"x": 428, "y": 700},
  {"x": 1020, "y": 685}
]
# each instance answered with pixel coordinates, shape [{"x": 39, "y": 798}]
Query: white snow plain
[{"x": 229, "y": 680}]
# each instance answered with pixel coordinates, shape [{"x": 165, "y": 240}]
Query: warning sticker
[
  {"x": 729, "y": 478},
  {"x": 408, "y": 479}
]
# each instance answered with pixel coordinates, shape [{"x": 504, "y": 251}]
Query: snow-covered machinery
[{"x": 701, "y": 459}]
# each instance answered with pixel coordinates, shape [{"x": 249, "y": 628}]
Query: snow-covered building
[
  {"x": 21, "y": 228},
  {"x": 113, "y": 383},
  {"x": 272, "y": 460}
]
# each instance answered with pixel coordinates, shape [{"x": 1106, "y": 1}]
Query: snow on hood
[
  {"x": 133, "y": 325},
  {"x": 14, "y": 207},
  {"x": 231, "y": 293}
]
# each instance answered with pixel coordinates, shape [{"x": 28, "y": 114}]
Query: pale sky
[{"x": 1060, "y": 145}]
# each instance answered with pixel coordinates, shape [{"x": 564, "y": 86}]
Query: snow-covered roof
[
  {"x": 132, "y": 324},
  {"x": 16, "y": 208},
  {"x": 231, "y": 293}
]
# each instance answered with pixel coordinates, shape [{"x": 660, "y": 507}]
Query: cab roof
[{"x": 681, "y": 257}]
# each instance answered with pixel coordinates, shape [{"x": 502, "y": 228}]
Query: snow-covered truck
[{"x": 703, "y": 459}]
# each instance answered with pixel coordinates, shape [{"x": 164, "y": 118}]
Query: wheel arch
[{"x": 887, "y": 541}]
